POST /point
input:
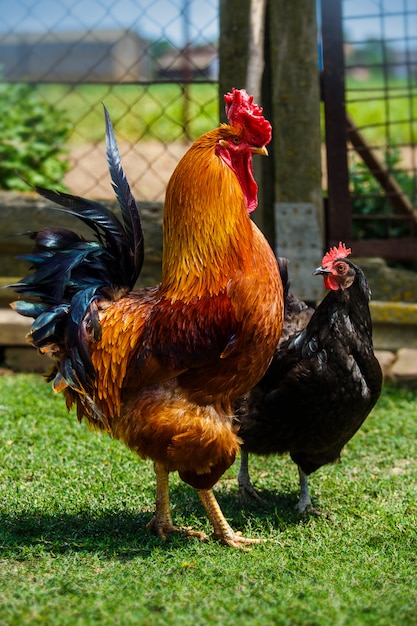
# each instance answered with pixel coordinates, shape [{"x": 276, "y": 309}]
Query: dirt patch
[{"x": 148, "y": 167}]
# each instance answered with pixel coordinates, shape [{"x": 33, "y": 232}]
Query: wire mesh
[
  {"x": 153, "y": 63},
  {"x": 380, "y": 49}
]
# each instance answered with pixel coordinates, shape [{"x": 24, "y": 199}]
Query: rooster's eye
[
  {"x": 341, "y": 268},
  {"x": 236, "y": 140}
]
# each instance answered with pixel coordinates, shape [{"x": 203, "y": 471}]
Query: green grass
[
  {"x": 156, "y": 111},
  {"x": 137, "y": 111},
  {"x": 75, "y": 549},
  {"x": 386, "y": 110}
]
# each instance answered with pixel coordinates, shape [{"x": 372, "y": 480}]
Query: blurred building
[
  {"x": 91, "y": 56},
  {"x": 193, "y": 63}
]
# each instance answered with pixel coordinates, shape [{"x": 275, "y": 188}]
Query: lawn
[
  {"x": 75, "y": 549},
  {"x": 138, "y": 112},
  {"x": 384, "y": 112},
  {"x": 156, "y": 111}
]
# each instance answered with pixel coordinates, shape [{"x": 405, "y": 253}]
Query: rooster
[
  {"x": 323, "y": 380},
  {"x": 160, "y": 368}
]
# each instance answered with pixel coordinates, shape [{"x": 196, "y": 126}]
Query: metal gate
[{"x": 372, "y": 169}]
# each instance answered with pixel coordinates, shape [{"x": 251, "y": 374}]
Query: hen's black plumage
[
  {"x": 322, "y": 382},
  {"x": 297, "y": 313}
]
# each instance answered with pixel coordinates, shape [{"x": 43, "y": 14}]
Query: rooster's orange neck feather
[{"x": 207, "y": 229}]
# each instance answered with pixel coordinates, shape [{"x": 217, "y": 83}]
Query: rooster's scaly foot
[{"x": 163, "y": 528}]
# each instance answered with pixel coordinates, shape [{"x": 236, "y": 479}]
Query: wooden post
[
  {"x": 295, "y": 97},
  {"x": 233, "y": 47},
  {"x": 271, "y": 47},
  {"x": 256, "y": 60},
  {"x": 241, "y": 50}
]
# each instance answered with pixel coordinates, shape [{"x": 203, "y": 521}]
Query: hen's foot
[
  {"x": 245, "y": 486},
  {"x": 307, "y": 509},
  {"x": 247, "y": 489}
]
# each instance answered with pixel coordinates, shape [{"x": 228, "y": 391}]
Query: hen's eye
[{"x": 341, "y": 268}]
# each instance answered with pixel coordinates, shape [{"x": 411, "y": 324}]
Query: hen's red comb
[
  {"x": 336, "y": 253},
  {"x": 241, "y": 111}
]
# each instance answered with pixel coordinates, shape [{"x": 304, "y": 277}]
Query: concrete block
[
  {"x": 404, "y": 369},
  {"x": 13, "y": 328},
  {"x": 26, "y": 359},
  {"x": 386, "y": 359}
]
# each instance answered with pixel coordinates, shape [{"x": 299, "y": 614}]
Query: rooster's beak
[{"x": 262, "y": 151}]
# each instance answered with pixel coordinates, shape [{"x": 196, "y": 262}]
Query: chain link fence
[{"x": 153, "y": 63}]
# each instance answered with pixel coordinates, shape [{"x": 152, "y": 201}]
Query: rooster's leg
[
  {"x": 243, "y": 478},
  {"x": 161, "y": 523},
  {"x": 304, "y": 501},
  {"x": 222, "y": 530}
]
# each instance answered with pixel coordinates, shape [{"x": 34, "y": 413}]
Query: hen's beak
[
  {"x": 321, "y": 270},
  {"x": 262, "y": 151}
]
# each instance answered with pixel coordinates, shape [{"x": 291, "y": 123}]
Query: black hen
[{"x": 322, "y": 382}]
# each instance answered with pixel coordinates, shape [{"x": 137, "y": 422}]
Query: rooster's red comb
[
  {"x": 241, "y": 111},
  {"x": 336, "y": 253}
]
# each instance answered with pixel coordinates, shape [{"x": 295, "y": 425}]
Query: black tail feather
[
  {"x": 127, "y": 203},
  {"x": 69, "y": 275}
]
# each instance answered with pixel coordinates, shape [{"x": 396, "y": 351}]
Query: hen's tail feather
[
  {"x": 283, "y": 270},
  {"x": 70, "y": 275}
]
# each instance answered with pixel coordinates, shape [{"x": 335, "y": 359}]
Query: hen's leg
[
  {"x": 161, "y": 523},
  {"x": 304, "y": 501},
  {"x": 222, "y": 530},
  {"x": 243, "y": 478}
]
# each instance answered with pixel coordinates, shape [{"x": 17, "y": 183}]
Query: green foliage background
[{"x": 33, "y": 136}]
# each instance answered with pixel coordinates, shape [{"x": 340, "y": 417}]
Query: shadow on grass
[
  {"x": 114, "y": 534},
  {"x": 123, "y": 534}
]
